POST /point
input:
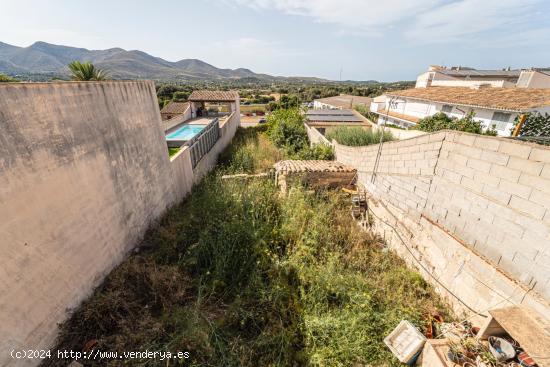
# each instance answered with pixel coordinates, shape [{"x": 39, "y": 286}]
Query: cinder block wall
[
  {"x": 497, "y": 195},
  {"x": 314, "y": 136},
  {"x": 84, "y": 169},
  {"x": 491, "y": 195}
]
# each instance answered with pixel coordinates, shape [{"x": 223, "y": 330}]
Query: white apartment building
[
  {"x": 493, "y": 107},
  {"x": 440, "y": 76}
]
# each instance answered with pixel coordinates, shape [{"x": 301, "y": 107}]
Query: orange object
[
  {"x": 89, "y": 345},
  {"x": 521, "y": 121}
]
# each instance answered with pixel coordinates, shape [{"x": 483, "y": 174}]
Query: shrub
[
  {"x": 357, "y": 136},
  {"x": 6, "y": 79},
  {"x": 180, "y": 96},
  {"x": 365, "y": 111},
  {"x": 251, "y": 152},
  {"x": 319, "y": 151},
  {"x": 536, "y": 124},
  {"x": 286, "y": 130},
  {"x": 440, "y": 121}
]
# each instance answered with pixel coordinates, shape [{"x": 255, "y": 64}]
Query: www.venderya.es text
[{"x": 96, "y": 354}]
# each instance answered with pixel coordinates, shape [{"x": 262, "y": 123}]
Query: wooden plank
[
  {"x": 434, "y": 354},
  {"x": 490, "y": 328},
  {"x": 528, "y": 328}
]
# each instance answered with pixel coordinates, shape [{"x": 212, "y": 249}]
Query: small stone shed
[{"x": 314, "y": 173}]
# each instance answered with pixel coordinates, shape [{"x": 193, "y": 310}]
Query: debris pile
[
  {"x": 466, "y": 349},
  {"x": 458, "y": 344}
]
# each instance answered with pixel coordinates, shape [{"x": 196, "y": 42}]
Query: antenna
[{"x": 341, "y": 69}]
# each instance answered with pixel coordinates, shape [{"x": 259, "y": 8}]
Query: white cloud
[
  {"x": 362, "y": 14},
  {"x": 244, "y": 51},
  {"x": 425, "y": 21},
  {"x": 456, "y": 20},
  {"x": 253, "y": 47}
]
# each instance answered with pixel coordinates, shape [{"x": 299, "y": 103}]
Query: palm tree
[
  {"x": 83, "y": 71},
  {"x": 6, "y": 79}
]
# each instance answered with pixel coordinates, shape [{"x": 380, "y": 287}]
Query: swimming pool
[{"x": 186, "y": 132}]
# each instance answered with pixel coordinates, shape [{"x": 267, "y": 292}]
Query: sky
[{"x": 386, "y": 40}]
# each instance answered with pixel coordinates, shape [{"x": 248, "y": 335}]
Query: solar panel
[
  {"x": 334, "y": 118},
  {"x": 330, "y": 112}
]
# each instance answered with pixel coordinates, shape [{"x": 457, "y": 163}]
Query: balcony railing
[{"x": 201, "y": 143}]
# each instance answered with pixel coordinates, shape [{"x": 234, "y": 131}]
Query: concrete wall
[
  {"x": 183, "y": 175},
  {"x": 228, "y": 128},
  {"x": 434, "y": 78},
  {"x": 314, "y": 136},
  {"x": 471, "y": 83},
  {"x": 474, "y": 209},
  {"x": 84, "y": 169},
  {"x": 401, "y": 134},
  {"x": 533, "y": 79},
  {"x": 175, "y": 121}
]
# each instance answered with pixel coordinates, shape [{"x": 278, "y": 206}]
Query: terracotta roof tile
[
  {"x": 511, "y": 99},
  {"x": 175, "y": 107},
  {"x": 292, "y": 166},
  {"x": 398, "y": 115},
  {"x": 213, "y": 96}
]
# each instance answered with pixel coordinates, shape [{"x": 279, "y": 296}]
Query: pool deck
[{"x": 195, "y": 121}]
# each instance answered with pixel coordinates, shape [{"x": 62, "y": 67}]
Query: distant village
[{"x": 495, "y": 97}]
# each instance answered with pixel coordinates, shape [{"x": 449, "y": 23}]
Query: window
[
  {"x": 447, "y": 108},
  {"x": 500, "y": 119}
]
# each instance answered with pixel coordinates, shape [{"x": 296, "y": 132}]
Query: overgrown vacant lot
[{"x": 239, "y": 276}]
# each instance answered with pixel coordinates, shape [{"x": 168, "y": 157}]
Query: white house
[
  {"x": 493, "y": 107},
  {"x": 440, "y": 76}
]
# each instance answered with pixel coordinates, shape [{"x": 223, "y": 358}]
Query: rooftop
[
  {"x": 293, "y": 166},
  {"x": 400, "y": 116},
  {"x": 213, "y": 96},
  {"x": 336, "y": 116},
  {"x": 346, "y": 101},
  {"x": 509, "y": 99},
  {"x": 480, "y": 73},
  {"x": 175, "y": 107}
]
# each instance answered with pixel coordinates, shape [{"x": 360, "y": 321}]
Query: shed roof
[
  {"x": 175, "y": 107},
  {"x": 344, "y": 115},
  {"x": 400, "y": 116},
  {"x": 346, "y": 101},
  {"x": 213, "y": 96},
  {"x": 295, "y": 166},
  {"x": 510, "y": 99}
]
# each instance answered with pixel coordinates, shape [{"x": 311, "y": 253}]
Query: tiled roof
[
  {"x": 346, "y": 101},
  {"x": 398, "y": 115},
  {"x": 175, "y": 108},
  {"x": 510, "y": 99},
  {"x": 213, "y": 96},
  {"x": 292, "y": 166}
]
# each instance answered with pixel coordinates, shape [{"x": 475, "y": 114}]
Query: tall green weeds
[
  {"x": 287, "y": 132},
  {"x": 239, "y": 275},
  {"x": 357, "y": 136}
]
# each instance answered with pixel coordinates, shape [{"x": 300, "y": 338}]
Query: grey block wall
[{"x": 491, "y": 194}]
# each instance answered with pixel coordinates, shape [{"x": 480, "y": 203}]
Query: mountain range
[{"x": 46, "y": 58}]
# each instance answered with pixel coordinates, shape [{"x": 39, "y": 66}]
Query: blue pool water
[{"x": 185, "y": 132}]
